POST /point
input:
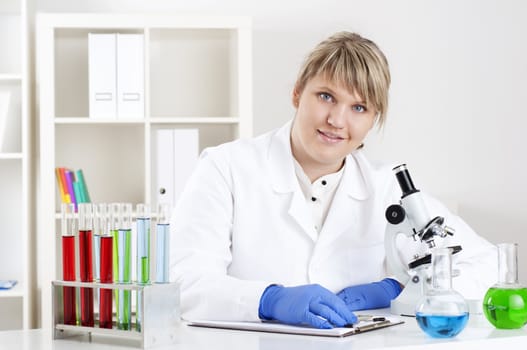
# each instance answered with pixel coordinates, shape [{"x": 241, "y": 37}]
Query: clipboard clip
[{"x": 368, "y": 323}]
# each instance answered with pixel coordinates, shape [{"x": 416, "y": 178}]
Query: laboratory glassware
[
  {"x": 143, "y": 255},
  {"x": 442, "y": 312},
  {"x": 68, "y": 230},
  {"x": 162, "y": 243},
  {"x": 86, "y": 261},
  {"x": 143, "y": 243},
  {"x": 124, "y": 261},
  {"x": 115, "y": 218},
  {"x": 505, "y": 303},
  {"x": 106, "y": 272},
  {"x": 98, "y": 212}
]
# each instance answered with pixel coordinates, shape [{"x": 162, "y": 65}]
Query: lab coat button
[
  {"x": 324, "y": 183},
  {"x": 313, "y": 199}
]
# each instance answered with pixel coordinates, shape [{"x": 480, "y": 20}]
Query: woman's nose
[{"x": 337, "y": 116}]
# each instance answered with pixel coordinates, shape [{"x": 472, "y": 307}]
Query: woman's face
[{"x": 330, "y": 123}]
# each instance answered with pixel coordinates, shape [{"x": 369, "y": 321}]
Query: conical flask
[
  {"x": 442, "y": 312},
  {"x": 505, "y": 303}
]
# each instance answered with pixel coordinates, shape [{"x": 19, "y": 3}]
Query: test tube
[
  {"x": 86, "y": 261},
  {"x": 106, "y": 266},
  {"x": 124, "y": 266},
  {"x": 115, "y": 215},
  {"x": 67, "y": 220},
  {"x": 143, "y": 255},
  {"x": 162, "y": 243},
  {"x": 97, "y": 232}
]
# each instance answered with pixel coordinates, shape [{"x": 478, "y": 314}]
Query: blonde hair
[{"x": 352, "y": 61}]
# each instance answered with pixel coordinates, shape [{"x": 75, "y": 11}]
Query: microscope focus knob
[{"x": 395, "y": 214}]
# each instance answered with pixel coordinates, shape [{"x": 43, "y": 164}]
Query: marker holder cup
[{"x": 160, "y": 310}]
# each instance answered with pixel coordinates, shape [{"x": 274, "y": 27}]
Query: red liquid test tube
[
  {"x": 105, "y": 301},
  {"x": 68, "y": 262},
  {"x": 86, "y": 262}
]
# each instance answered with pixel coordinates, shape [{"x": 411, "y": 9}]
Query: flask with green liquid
[{"x": 505, "y": 303}]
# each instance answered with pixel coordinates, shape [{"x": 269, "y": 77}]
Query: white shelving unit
[
  {"x": 198, "y": 74},
  {"x": 15, "y": 304}
]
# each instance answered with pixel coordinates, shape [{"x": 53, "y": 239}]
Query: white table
[{"x": 479, "y": 334}]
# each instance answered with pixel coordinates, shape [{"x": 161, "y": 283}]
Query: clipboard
[{"x": 365, "y": 324}]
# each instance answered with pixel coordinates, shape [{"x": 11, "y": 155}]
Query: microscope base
[
  {"x": 405, "y": 303},
  {"x": 397, "y": 307}
]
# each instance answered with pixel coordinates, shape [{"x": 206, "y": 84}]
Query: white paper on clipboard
[{"x": 273, "y": 327}]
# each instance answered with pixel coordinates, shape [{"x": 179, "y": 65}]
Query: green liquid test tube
[
  {"x": 114, "y": 230},
  {"x": 124, "y": 238},
  {"x": 142, "y": 256}
]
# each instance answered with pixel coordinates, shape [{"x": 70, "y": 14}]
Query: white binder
[
  {"x": 176, "y": 157},
  {"x": 130, "y": 76},
  {"x": 102, "y": 75},
  {"x": 164, "y": 187}
]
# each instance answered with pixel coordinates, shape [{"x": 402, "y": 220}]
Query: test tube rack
[{"x": 160, "y": 310}]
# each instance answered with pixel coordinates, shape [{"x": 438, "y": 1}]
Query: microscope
[{"x": 411, "y": 219}]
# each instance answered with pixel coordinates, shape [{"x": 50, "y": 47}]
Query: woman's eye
[
  {"x": 359, "y": 108},
  {"x": 325, "y": 97}
]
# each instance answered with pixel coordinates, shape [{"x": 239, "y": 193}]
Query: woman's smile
[{"x": 329, "y": 137}]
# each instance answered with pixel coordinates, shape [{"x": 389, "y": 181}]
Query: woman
[{"x": 290, "y": 225}]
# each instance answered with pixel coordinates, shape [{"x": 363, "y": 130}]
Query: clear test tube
[
  {"x": 86, "y": 261},
  {"x": 68, "y": 230},
  {"x": 106, "y": 272},
  {"x": 143, "y": 254},
  {"x": 124, "y": 261},
  {"x": 162, "y": 243}
]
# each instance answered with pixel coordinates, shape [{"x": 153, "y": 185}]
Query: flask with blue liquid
[{"x": 442, "y": 312}]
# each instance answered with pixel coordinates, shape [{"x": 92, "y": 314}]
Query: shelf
[
  {"x": 11, "y": 155},
  {"x": 195, "y": 120},
  {"x": 16, "y": 292},
  {"x": 86, "y": 120},
  {"x": 16, "y": 199},
  {"x": 198, "y": 75},
  {"x": 10, "y": 77},
  {"x": 155, "y": 120}
]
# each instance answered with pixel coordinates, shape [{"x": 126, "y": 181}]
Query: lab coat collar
[
  {"x": 281, "y": 163},
  {"x": 282, "y": 171}
]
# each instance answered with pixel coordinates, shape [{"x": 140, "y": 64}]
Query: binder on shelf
[
  {"x": 69, "y": 185},
  {"x": 130, "y": 76},
  {"x": 176, "y": 156},
  {"x": 102, "y": 75},
  {"x": 165, "y": 166},
  {"x": 72, "y": 186},
  {"x": 82, "y": 186},
  {"x": 61, "y": 180}
]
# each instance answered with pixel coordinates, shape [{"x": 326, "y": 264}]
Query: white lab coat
[{"x": 243, "y": 223}]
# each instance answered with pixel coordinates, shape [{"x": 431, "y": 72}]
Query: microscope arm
[{"x": 393, "y": 259}]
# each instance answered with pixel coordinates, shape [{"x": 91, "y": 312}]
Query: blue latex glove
[
  {"x": 370, "y": 296},
  {"x": 308, "y": 304}
]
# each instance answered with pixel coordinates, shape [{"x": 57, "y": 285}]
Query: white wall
[{"x": 459, "y": 69}]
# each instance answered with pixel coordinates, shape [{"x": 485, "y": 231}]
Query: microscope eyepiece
[{"x": 404, "y": 180}]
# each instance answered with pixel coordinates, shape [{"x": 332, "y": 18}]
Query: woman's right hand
[{"x": 307, "y": 304}]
